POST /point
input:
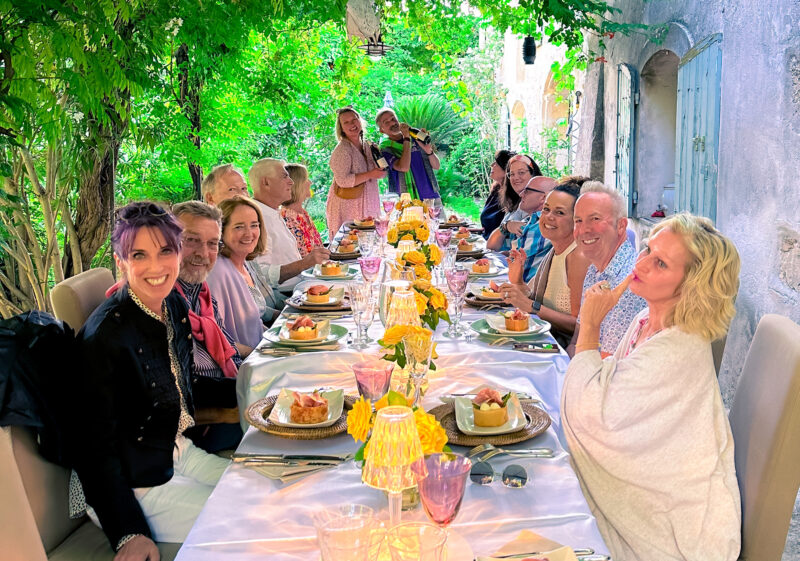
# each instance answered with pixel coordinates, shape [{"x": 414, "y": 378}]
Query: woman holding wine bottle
[{"x": 354, "y": 193}]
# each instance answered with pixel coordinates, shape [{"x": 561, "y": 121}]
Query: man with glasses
[
  {"x": 530, "y": 238},
  {"x": 216, "y": 357}
]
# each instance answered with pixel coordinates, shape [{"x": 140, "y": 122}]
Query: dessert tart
[
  {"x": 303, "y": 329},
  {"x": 489, "y": 408},
  {"x": 481, "y": 266},
  {"x": 346, "y": 246},
  {"x": 491, "y": 291},
  {"x": 453, "y": 219},
  {"x": 318, "y": 294},
  {"x": 464, "y": 245},
  {"x": 462, "y": 233},
  {"x": 330, "y": 268},
  {"x": 368, "y": 221},
  {"x": 308, "y": 408},
  {"x": 517, "y": 320}
]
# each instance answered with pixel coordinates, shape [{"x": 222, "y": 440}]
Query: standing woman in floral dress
[{"x": 354, "y": 193}]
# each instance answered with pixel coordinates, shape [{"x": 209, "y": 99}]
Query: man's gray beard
[{"x": 193, "y": 278}]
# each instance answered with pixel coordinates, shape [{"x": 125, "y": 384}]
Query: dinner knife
[
  {"x": 581, "y": 553},
  {"x": 332, "y": 458}
]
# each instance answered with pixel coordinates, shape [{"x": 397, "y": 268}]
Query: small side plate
[
  {"x": 466, "y": 420},
  {"x": 281, "y": 413}
]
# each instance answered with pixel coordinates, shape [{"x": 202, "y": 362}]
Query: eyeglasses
[
  {"x": 526, "y": 189},
  {"x": 514, "y": 476},
  {"x": 138, "y": 210},
  {"x": 196, "y": 243}
]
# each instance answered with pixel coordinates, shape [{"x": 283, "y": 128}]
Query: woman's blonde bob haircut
[
  {"x": 227, "y": 207},
  {"x": 708, "y": 291},
  {"x": 299, "y": 174}
]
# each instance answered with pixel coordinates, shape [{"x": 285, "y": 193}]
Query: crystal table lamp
[
  {"x": 393, "y": 447},
  {"x": 403, "y": 308},
  {"x": 404, "y": 246}
]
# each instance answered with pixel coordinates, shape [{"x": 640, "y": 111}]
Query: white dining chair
[
  {"x": 765, "y": 420},
  {"x": 74, "y": 299}
]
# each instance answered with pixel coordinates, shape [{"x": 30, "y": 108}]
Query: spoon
[{"x": 494, "y": 451}]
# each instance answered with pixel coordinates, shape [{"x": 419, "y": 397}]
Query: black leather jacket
[{"x": 129, "y": 413}]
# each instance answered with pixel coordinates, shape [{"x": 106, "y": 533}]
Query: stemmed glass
[
  {"x": 370, "y": 267},
  {"x": 457, "y": 283},
  {"x": 419, "y": 348},
  {"x": 443, "y": 238},
  {"x": 362, "y": 302},
  {"x": 366, "y": 242},
  {"x": 389, "y": 200},
  {"x": 442, "y": 489}
]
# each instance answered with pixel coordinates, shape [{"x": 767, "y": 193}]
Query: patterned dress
[
  {"x": 346, "y": 161},
  {"x": 302, "y": 227}
]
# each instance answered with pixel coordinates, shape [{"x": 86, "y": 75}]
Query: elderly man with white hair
[
  {"x": 272, "y": 187},
  {"x": 223, "y": 182},
  {"x": 601, "y": 234}
]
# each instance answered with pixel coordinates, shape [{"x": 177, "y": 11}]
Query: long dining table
[{"x": 250, "y": 516}]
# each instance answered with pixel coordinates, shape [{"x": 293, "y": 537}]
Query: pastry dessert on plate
[
  {"x": 318, "y": 294},
  {"x": 517, "y": 320},
  {"x": 490, "y": 408},
  {"x": 368, "y": 221},
  {"x": 347, "y": 246},
  {"x": 352, "y": 236},
  {"x": 481, "y": 266},
  {"x": 303, "y": 329},
  {"x": 453, "y": 219},
  {"x": 309, "y": 408},
  {"x": 330, "y": 268},
  {"x": 491, "y": 291},
  {"x": 464, "y": 245},
  {"x": 462, "y": 233}
]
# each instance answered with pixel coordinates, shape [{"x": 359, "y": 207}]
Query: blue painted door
[
  {"x": 697, "y": 137},
  {"x": 627, "y": 96}
]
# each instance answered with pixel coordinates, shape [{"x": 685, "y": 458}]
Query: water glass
[
  {"x": 419, "y": 348},
  {"x": 348, "y": 533},
  {"x": 372, "y": 378},
  {"x": 370, "y": 267},
  {"x": 416, "y": 541},
  {"x": 363, "y": 304},
  {"x": 366, "y": 242},
  {"x": 457, "y": 283}
]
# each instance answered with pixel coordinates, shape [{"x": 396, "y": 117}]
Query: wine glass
[
  {"x": 389, "y": 200},
  {"x": 442, "y": 480},
  {"x": 366, "y": 242},
  {"x": 457, "y": 283},
  {"x": 370, "y": 267},
  {"x": 434, "y": 210},
  {"x": 363, "y": 305},
  {"x": 418, "y": 348},
  {"x": 382, "y": 226},
  {"x": 443, "y": 238}
]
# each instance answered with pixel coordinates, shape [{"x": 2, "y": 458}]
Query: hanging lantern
[{"x": 529, "y": 50}]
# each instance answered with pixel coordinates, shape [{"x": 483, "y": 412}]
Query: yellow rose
[
  {"x": 431, "y": 434},
  {"x": 415, "y": 257},
  {"x": 394, "y": 335},
  {"x": 422, "y": 233},
  {"x": 436, "y": 254},
  {"x": 422, "y": 284},
  {"x": 391, "y": 236},
  {"x": 404, "y": 226},
  {"x": 359, "y": 419},
  {"x": 422, "y": 272},
  {"x": 438, "y": 299},
  {"x": 422, "y": 302},
  {"x": 408, "y": 237}
]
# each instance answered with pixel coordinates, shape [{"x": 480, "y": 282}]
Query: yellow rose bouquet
[
  {"x": 361, "y": 418},
  {"x": 403, "y": 204},
  {"x": 394, "y": 342},
  {"x": 431, "y": 302},
  {"x": 413, "y": 230}
]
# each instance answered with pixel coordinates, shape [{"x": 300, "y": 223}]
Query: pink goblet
[
  {"x": 442, "y": 489},
  {"x": 443, "y": 237},
  {"x": 373, "y": 377},
  {"x": 382, "y": 226},
  {"x": 370, "y": 266},
  {"x": 388, "y": 205}
]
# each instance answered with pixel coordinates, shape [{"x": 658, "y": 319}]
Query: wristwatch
[{"x": 536, "y": 306}]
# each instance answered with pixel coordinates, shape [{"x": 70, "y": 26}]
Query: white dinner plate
[
  {"x": 281, "y": 413},
  {"x": 535, "y": 325},
  {"x": 465, "y": 418},
  {"x": 476, "y": 290}
]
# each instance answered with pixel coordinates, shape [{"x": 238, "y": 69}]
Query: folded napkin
[
  {"x": 286, "y": 474},
  {"x": 528, "y": 541}
]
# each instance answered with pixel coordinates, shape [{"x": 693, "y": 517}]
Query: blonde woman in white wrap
[{"x": 648, "y": 433}]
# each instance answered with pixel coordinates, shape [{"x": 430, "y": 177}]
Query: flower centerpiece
[
  {"x": 394, "y": 344},
  {"x": 361, "y": 418},
  {"x": 431, "y": 302},
  {"x": 415, "y": 230}
]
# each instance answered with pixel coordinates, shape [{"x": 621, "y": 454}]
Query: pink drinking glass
[
  {"x": 457, "y": 283},
  {"x": 370, "y": 266},
  {"x": 443, "y": 237},
  {"x": 442, "y": 489},
  {"x": 388, "y": 205},
  {"x": 373, "y": 377},
  {"x": 382, "y": 226}
]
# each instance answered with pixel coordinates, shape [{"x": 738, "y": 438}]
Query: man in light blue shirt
[{"x": 601, "y": 234}]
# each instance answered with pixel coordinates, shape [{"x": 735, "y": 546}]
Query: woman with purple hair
[{"x": 143, "y": 480}]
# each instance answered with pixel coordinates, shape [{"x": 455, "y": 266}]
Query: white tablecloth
[{"x": 249, "y": 516}]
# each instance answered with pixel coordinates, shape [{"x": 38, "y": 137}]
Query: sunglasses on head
[{"x": 138, "y": 210}]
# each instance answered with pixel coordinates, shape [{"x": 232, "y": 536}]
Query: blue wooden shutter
[
  {"x": 627, "y": 97},
  {"x": 697, "y": 137}
]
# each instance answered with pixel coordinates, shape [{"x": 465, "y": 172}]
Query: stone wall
[{"x": 758, "y": 187}]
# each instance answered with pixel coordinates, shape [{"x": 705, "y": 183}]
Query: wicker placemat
[
  {"x": 297, "y": 303},
  {"x": 336, "y": 256},
  {"x": 257, "y": 415},
  {"x": 537, "y": 421},
  {"x": 471, "y": 300}
]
